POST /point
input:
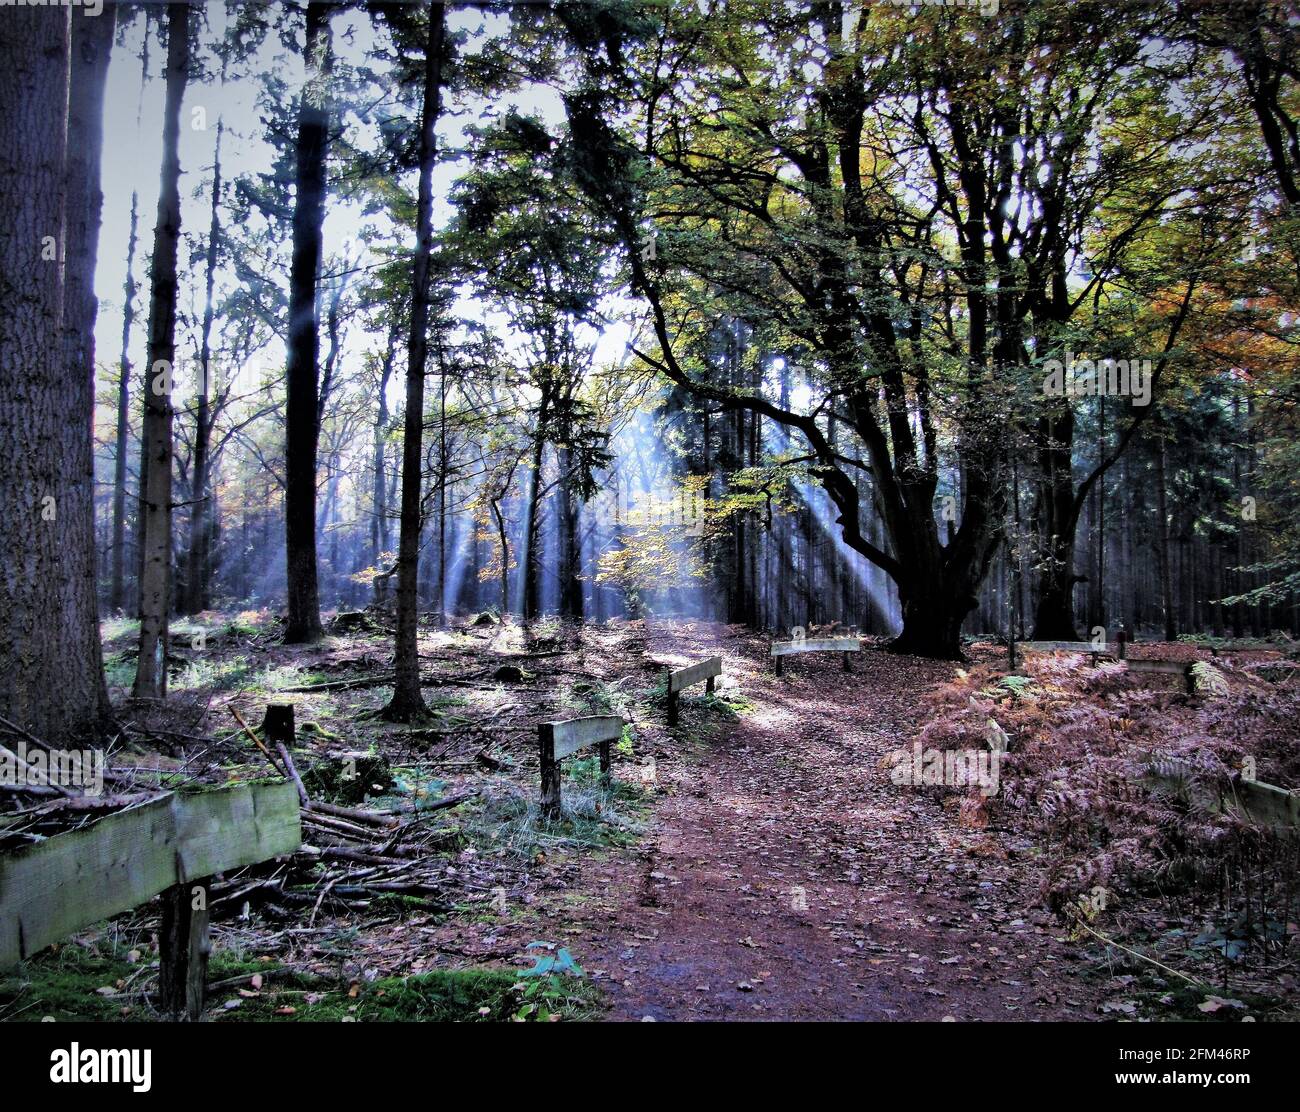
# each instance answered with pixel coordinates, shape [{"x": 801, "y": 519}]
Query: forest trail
[{"x": 786, "y": 877}]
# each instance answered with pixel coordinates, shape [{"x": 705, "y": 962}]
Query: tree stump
[
  {"x": 348, "y": 777},
  {"x": 278, "y": 725}
]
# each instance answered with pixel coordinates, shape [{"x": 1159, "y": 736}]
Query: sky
[{"x": 133, "y": 123}]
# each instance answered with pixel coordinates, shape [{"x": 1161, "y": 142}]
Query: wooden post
[
  {"x": 709, "y": 684},
  {"x": 846, "y": 666},
  {"x": 1190, "y": 680},
  {"x": 183, "y": 947},
  {"x": 550, "y": 771},
  {"x": 604, "y": 761},
  {"x": 780, "y": 660},
  {"x": 278, "y": 725},
  {"x": 1121, "y": 639},
  {"x": 672, "y": 708}
]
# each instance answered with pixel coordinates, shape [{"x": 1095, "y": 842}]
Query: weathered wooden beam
[
  {"x": 578, "y": 733},
  {"x": 1110, "y": 649},
  {"x": 704, "y": 670},
  {"x": 1254, "y": 800},
  {"x": 1172, "y": 667},
  {"x": 1167, "y": 667},
  {"x": 69, "y": 881},
  {"x": 557, "y": 740},
  {"x": 817, "y": 645}
]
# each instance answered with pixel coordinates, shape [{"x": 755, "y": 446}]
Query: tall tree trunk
[
  {"x": 302, "y": 399},
  {"x": 1054, "y": 605},
  {"x": 569, "y": 555},
  {"x": 53, "y": 64},
  {"x": 156, "y": 438},
  {"x": 532, "y": 558},
  {"x": 503, "y": 540},
  {"x": 199, "y": 563},
  {"x": 117, "y": 589},
  {"x": 407, "y": 701},
  {"x": 442, "y": 490},
  {"x": 379, "y": 490},
  {"x": 92, "y": 43},
  {"x": 1237, "y": 579},
  {"x": 1162, "y": 541}
]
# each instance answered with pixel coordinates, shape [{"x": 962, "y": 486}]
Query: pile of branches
[
  {"x": 35, "y": 805},
  {"x": 351, "y": 855}
]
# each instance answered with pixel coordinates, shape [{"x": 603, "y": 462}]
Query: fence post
[
  {"x": 550, "y": 770},
  {"x": 183, "y": 947}
]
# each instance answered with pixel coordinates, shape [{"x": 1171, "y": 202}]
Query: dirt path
[{"x": 785, "y": 877}]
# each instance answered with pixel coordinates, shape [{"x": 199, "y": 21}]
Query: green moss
[{"x": 63, "y": 983}]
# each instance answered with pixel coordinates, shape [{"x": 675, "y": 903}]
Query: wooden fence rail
[
  {"x": 1254, "y": 800},
  {"x": 558, "y": 740},
  {"x": 54, "y": 888},
  {"x": 707, "y": 670},
  {"x": 843, "y": 645},
  {"x": 1115, "y": 649}
]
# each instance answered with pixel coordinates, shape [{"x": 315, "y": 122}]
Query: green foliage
[{"x": 548, "y": 987}]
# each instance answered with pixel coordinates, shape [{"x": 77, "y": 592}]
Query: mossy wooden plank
[
  {"x": 53, "y": 888},
  {"x": 693, "y": 673},
  {"x": 223, "y": 830}
]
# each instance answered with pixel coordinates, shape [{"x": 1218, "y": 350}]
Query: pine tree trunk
[
  {"x": 92, "y": 43},
  {"x": 1162, "y": 543},
  {"x": 379, "y": 487},
  {"x": 199, "y": 563},
  {"x": 50, "y": 141},
  {"x": 569, "y": 555},
  {"x": 407, "y": 701},
  {"x": 156, "y": 438},
  {"x": 302, "y": 399},
  {"x": 117, "y": 589}
]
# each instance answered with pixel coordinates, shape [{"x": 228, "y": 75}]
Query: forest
[{"x": 445, "y": 446}]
